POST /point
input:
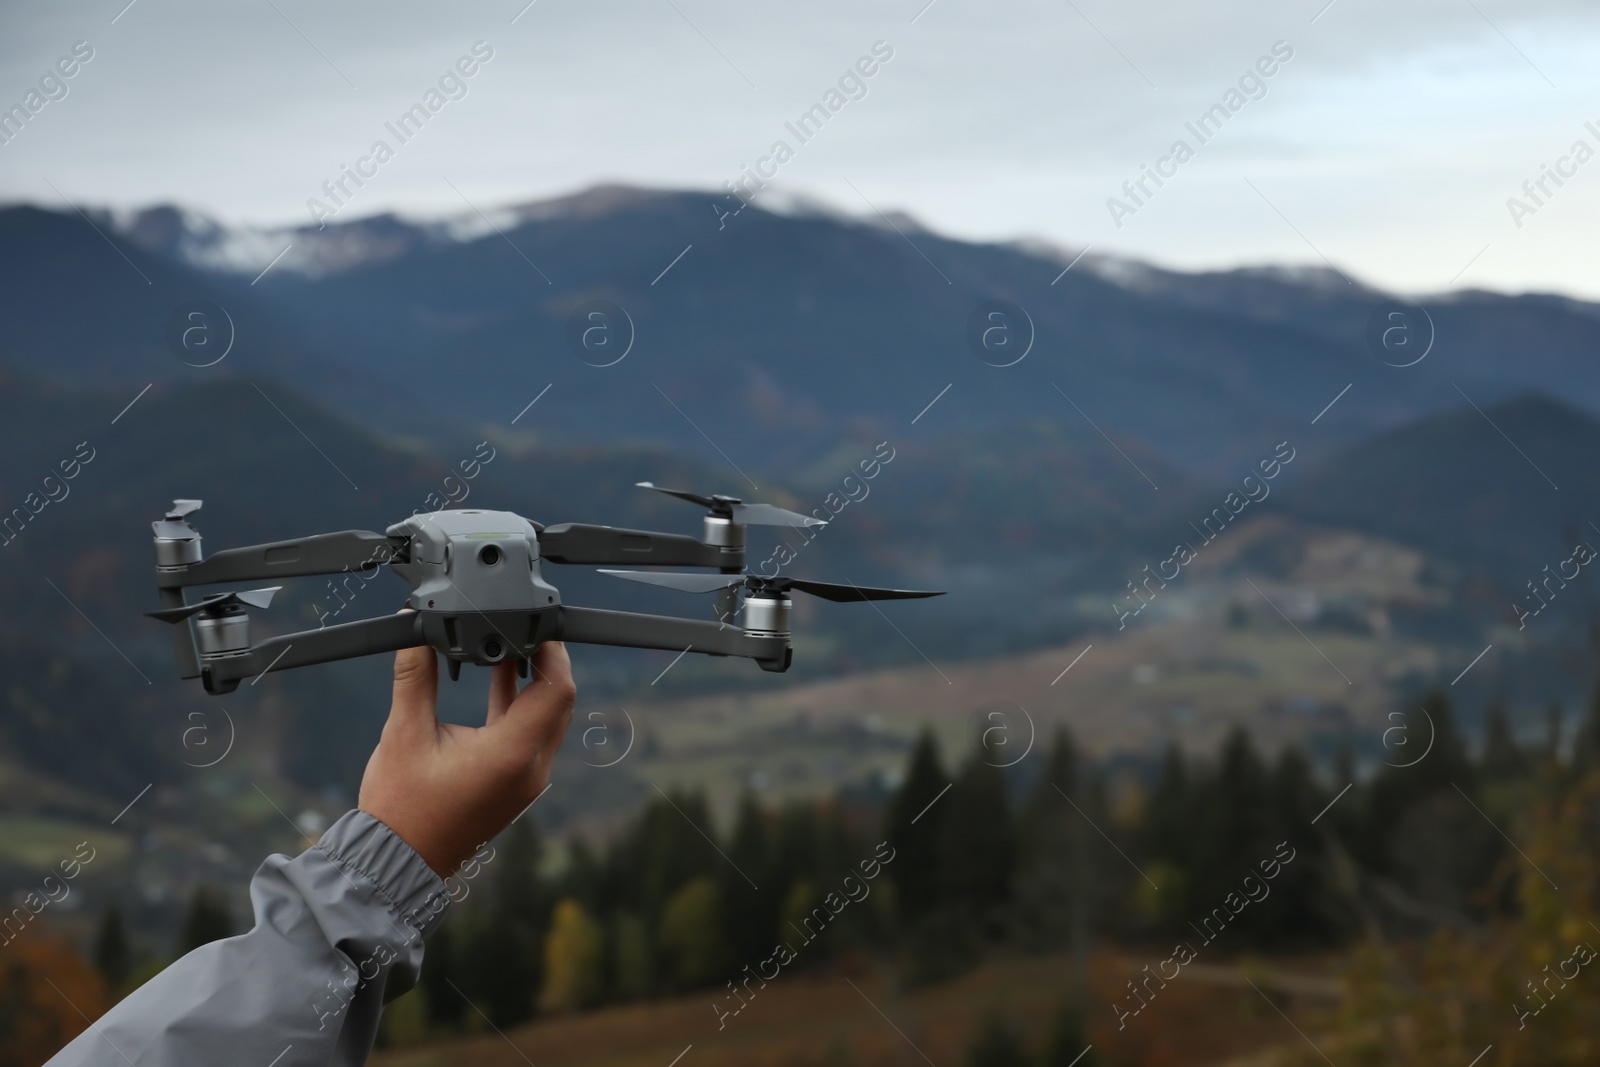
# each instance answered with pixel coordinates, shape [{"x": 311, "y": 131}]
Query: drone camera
[{"x": 489, "y": 555}]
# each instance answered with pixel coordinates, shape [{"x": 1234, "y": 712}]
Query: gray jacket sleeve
[{"x": 338, "y": 931}]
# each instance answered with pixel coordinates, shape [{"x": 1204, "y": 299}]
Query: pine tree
[
  {"x": 1049, "y": 863},
  {"x": 1554, "y": 717},
  {"x": 1301, "y": 906},
  {"x": 1068, "y": 1045},
  {"x": 112, "y": 953},
  {"x": 1171, "y": 813},
  {"x": 668, "y": 847},
  {"x": 996, "y": 1045},
  {"x": 977, "y": 843},
  {"x": 1449, "y": 765},
  {"x": 502, "y": 957},
  {"x": 1422, "y": 766},
  {"x": 1233, "y": 823},
  {"x": 208, "y": 919},
  {"x": 1586, "y": 743},
  {"x": 914, "y": 828},
  {"x": 440, "y": 980},
  {"x": 1503, "y": 759},
  {"x": 751, "y": 913}
]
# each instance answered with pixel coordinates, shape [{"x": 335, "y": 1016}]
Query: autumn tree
[
  {"x": 48, "y": 992},
  {"x": 691, "y": 936},
  {"x": 573, "y": 957}
]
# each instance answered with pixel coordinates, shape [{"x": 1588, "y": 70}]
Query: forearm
[{"x": 338, "y": 931}]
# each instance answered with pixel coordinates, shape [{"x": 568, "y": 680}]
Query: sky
[{"x": 1389, "y": 141}]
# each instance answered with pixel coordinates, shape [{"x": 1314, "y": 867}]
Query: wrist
[{"x": 367, "y": 849}]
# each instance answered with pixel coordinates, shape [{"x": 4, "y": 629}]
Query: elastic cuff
[{"x": 364, "y": 847}]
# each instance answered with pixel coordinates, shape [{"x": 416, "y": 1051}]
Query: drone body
[{"x": 478, "y": 592}]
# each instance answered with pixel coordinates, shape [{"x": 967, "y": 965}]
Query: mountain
[
  {"x": 757, "y": 339},
  {"x": 271, "y": 463},
  {"x": 1504, "y": 491},
  {"x": 772, "y": 358}
]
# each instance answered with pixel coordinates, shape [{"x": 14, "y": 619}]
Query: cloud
[{"x": 1389, "y": 144}]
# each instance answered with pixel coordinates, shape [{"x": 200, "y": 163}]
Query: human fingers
[
  {"x": 544, "y": 706},
  {"x": 416, "y": 688},
  {"x": 502, "y": 690}
]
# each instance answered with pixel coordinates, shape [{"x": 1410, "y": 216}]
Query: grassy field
[
  {"x": 42, "y": 843},
  {"x": 1209, "y": 1015}
]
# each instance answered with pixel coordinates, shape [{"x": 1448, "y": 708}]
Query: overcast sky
[{"x": 1389, "y": 143}]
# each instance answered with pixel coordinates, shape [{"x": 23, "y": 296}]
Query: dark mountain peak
[
  {"x": 1499, "y": 486},
  {"x": 1534, "y": 408}
]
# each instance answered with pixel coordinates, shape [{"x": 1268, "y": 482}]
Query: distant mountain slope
[
  {"x": 1505, "y": 344},
  {"x": 1504, "y": 491},
  {"x": 768, "y": 334},
  {"x": 966, "y": 513}
]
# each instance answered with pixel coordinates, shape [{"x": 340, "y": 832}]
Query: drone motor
[
  {"x": 221, "y": 625},
  {"x": 767, "y": 614},
  {"x": 177, "y": 543}
]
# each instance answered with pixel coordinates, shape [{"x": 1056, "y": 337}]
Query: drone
[{"x": 478, "y": 592}]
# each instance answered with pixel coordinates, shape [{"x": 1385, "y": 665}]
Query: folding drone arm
[
  {"x": 589, "y": 626},
  {"x": 576, "y": 542},
  {"x": 318, "y": 554},
  {"x": 598, "y": 626},
  {"x": 329, "y": 553},
  {"x": 387, "y": 633}
]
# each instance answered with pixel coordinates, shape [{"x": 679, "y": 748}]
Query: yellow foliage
[
  {"x": 1493, "y": 992},
  {"x": 572, "y": 959},
  {"x": 691, "y": 934}
]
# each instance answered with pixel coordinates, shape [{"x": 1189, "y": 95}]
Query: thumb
[{"x": 416, "y": 688}]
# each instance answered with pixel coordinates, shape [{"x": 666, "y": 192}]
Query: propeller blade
[
  {"x": 744, "y": 514},
  {"x": 846, "y": 593},
  {"x": 685, "y": 581},
  {"x": 256, "y": 598},
  {"x": 174, "y": 525},
  {"x": 693, "y": 498},
  {"x": 176, "y": 614},
  {"x": 771, "y": 515}
]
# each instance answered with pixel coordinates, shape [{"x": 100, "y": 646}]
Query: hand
[{"x": 446, "y": 789}]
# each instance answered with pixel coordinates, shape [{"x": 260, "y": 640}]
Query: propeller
[
  {"x": 731, "y": 507},
  {"x": 219, "y": 604},
  {"x": 175, "y": 525},
  {"x": 706, "y": 583}
]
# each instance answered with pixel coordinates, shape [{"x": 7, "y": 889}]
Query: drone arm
[
  {"x": 318, "y": 554},
  {"x": 387, "y": 633},
  {"x": 597, "y": 626},
  {"x": 576, "y": 542}
]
